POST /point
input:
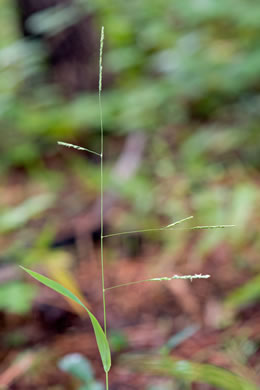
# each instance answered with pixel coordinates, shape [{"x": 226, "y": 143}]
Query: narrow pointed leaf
[{"x": 101, "y": 339}]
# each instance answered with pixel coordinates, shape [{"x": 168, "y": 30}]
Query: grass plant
[{"x": 101, "y": 333}]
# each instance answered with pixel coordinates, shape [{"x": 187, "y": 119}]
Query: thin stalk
[
  {"x": 102, "y": 187},
  {"x": 133, "y": 232},
  {"x": 190, "y": 277},
  {"x": 127, "y": 284},
  {"x": 150, "y": 230},
  {"x": 166, "y": 228},
  {"x": 107, "y": 381},
  {"x": 101, "y": 177}
]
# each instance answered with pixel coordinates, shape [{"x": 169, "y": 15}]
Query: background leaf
[{"x": 187, "y": 371}]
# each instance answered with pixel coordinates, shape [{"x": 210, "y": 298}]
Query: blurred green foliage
[
  {"x": 18, "y": 216},
  {"x": 175, "y": 63},
  {"x": 117, "y": 340},
  {"x": 187, "y": 371},
  {"x": 80, "y": 367},
  {"x": 17, "y": 297}
]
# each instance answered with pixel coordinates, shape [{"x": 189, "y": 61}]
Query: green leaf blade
[{"x": 101, "y": 339}]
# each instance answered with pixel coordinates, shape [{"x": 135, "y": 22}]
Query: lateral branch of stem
[
  {"x": 189, "y": 277},
  {"x": 168, "y": 228}
]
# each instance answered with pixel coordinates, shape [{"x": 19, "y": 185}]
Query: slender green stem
[
  {"x": 151, "y": 230},
  {"x": 102, "y": 179},
  {"x": 106, "y": 380},
  {"x": 128, "y": 284},
  {"x": 165, "y": 228},
  {"x": 102, "y": 186},
  {"x": 101, "y": 244},
  {"x": 133, "y": 232}
]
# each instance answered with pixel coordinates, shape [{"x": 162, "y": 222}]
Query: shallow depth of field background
[{"x": 181, "y": 107}]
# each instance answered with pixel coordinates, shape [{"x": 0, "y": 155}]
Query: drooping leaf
[{"x": 101, "y": 339}]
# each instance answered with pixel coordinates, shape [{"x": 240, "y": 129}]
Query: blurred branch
[{"x": 18, "y": 368}]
